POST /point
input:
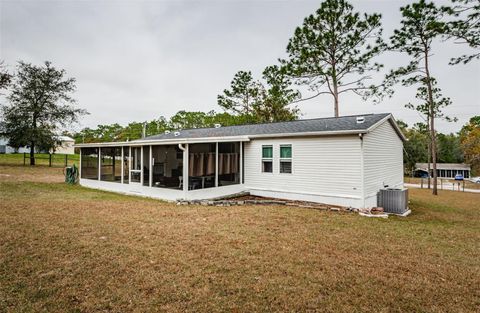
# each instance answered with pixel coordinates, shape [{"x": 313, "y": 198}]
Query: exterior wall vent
[
  {"x": 360, "y": 119},
  {"x": 167, "y": 132},
  {"x": 176, "y": 134},
  {"x": 218, "y": 125}
]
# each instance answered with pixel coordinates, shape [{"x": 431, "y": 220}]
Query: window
[
  {"x": 267, "y": 159},
  {"x": 286, "y": 159}
]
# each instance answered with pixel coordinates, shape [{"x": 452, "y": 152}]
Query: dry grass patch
[{"x": 70, "y": 249}]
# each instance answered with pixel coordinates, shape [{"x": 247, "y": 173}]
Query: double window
[
  {"x": 286, "y": 159},
  {"x": 267, "y": 159}
]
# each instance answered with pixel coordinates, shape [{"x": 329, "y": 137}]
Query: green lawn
[
  {"x": 40, "y": 159},
  {"x": 71, "y": 249}
]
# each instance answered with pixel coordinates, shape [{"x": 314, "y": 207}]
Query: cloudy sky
[{"x": 138, "y": 60}]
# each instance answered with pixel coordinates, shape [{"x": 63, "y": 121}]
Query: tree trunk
[
  {"x": 434, "y": 151},
  {"x": 429, "y": 160},
  {"x": 335, "y": 87},
  {"x": 335, "y": 96},
  {"x": 431, "y": 110},
  {"x": 32, "y": 153},
  {"x": 429, "y": 153}
]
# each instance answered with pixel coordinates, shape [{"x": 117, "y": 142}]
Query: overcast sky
[{"x": 138, "y": 60}]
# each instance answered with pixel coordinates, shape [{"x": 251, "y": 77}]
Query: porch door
[{"x": 136, "y": 165}]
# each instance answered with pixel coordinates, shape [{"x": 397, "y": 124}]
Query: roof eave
[
  {"x": 172, "y": 141},
  {"x": 219, "y": 139}
]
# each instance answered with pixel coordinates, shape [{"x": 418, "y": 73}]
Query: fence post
[
  {"x": 50, "y": 160},
  {"x": 66, "y": 160}
]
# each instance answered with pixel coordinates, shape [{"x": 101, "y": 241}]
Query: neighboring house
[
  {"x": 343, "y": 161},
  {"x": 65, "y": 146},
  {"x": 444, "y": 170},
  {"x": 5, "y": 148}
]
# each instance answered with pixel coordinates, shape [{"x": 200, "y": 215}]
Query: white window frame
[
  {"x": 266, "y": 159},
  {"x": 280, "y": 159}
]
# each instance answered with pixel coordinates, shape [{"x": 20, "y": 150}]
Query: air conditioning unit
[{"x": 393, "y": 201}]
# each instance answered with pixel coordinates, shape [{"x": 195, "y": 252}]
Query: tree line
[{"x": 334, "y": 52}]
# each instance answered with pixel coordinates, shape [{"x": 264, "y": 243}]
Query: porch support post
[
  {"x": 129, "y": 164},
  {"x": 99, "y": 163},
  {"x": 241, "y": 162},
  {"x": 79, "y": 164},
  {"x": 141, "y": 165},
  {"x": 150, "y": 161},
  {"x": 185, "y": 170},
  {"x": 121, "y": 166},
  {"x": 216, "y": 164}
]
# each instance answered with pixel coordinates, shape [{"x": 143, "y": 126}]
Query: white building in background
[
  {"x": 444, "y": 170},
  {"x": 65, "y": 146},
  {"x": 6, "y": 149},
  {"x": 339, "y": 161}
]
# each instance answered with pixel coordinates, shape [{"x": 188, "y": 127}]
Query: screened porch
[{"x": 183, "y": 167}]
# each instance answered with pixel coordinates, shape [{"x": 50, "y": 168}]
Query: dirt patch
[{"x": 37, "y": 173}]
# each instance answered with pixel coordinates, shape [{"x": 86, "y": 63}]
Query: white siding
[
  {"x": 328, "y": 168},
  {"x": 383, "y": 157}
]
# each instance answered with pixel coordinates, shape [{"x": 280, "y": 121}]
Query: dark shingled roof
[{"x": 329, "y": 124}]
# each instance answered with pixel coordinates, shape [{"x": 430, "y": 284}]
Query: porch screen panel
[
  {"x": 201, "y": 166},
  {"x": 89, "y": 164},
  {"x": 111, "y": 166},
  {"x": 167, "y": 167},
  {"x": 136, "y": 164},
  {"x": 228, "y": 163},
  {"x": 146, "y": 165}
]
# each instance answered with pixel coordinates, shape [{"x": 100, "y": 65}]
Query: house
[
  {"x": 341, "y": 161},
  {"x": 65, "y": 145},
  {"x": 6, "y": 149},
  {"x": 444, "y": 170}
]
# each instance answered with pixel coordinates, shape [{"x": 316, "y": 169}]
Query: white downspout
[
  {"x": 362, "y": 168},
  {"x": 185, "y": 168},
  {"x": 241, "y": 163}
]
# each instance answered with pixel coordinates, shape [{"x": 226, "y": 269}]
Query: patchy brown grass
[
  {"x": 70, "y": 249},
  {"x": 39, "y": 173}
]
